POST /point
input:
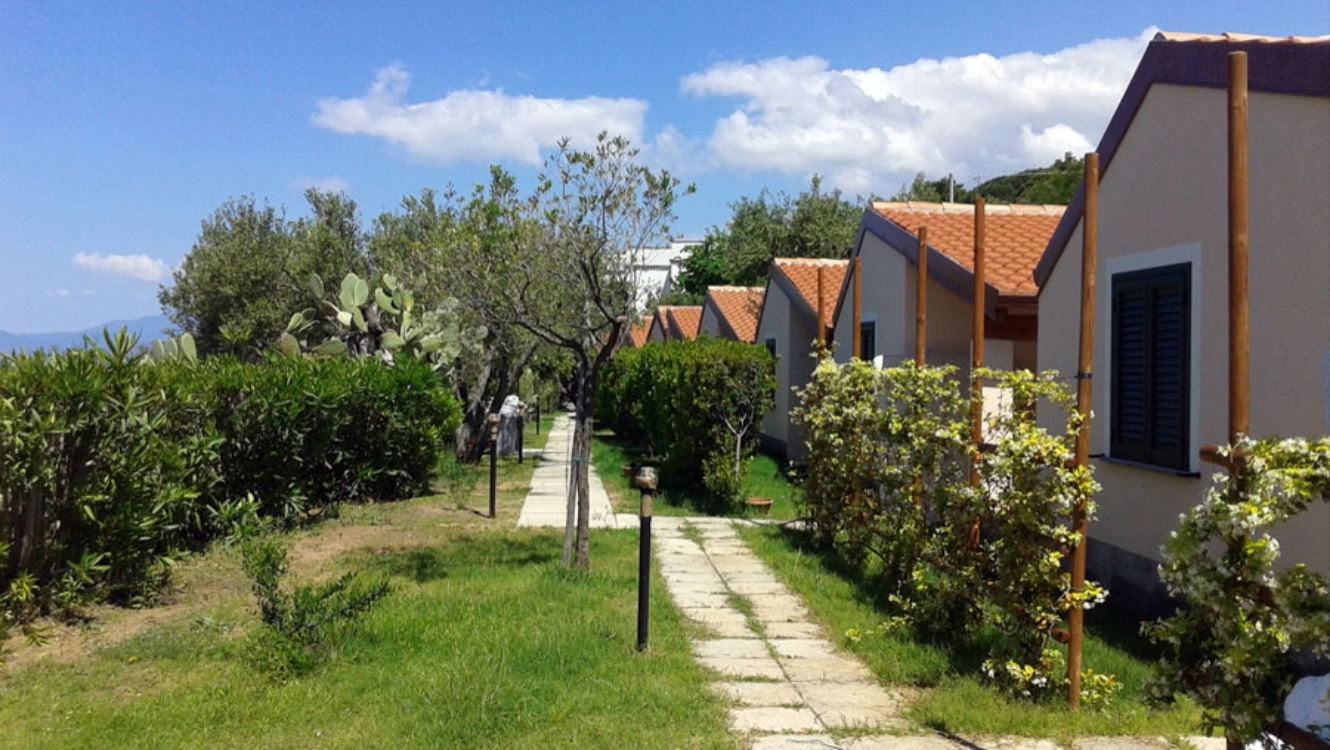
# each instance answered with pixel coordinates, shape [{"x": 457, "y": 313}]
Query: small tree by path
[{"x": 561, "y": 265}]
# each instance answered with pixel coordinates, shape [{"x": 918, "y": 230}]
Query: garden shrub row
[
  {"x": 887, "y": 484},
  {"x": 113, "y": 462},
  {"x": 693, "y": 405}
]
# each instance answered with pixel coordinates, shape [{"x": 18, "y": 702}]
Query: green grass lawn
[
  {"x": 956, "y": 700},
  {"x": 485, "y": 642},
  {"x": 609, "y": 455}
]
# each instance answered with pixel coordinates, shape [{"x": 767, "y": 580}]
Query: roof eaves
[{"x": 1287, "y": 67}]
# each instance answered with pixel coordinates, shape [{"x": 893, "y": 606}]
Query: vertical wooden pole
[
  {"x": 921, "y": 299},
  {"x": 821, "y": 321},
  {"x": 1084, "y": 373},
  {"x": 1238, "y": 344},
  {"x": 977, "y": 383},
  {"x": 1237, "y": 247},
  {"x": 858, "y": 320}
]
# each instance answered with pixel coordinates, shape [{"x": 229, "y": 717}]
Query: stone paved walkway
[
  {"x": 789, "y": 688},
  {"x": 547, "y": 502}
]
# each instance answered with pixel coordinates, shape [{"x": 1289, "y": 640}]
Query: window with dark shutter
[
  {"x": 1151, "y": 398},
  {"x": 868, "y": 340},
  {"x": 771, "y": 346}
]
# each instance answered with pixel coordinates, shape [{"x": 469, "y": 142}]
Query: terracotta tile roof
[
  {"x": 802, "y": 274},
  {"x": 683, "y": 321},
  {"x": 739, "y": 307},
  {"x": 1183, "y": 36},
  {"x": 637, "y": 334},
  {"x": 1014, "y": 241}
]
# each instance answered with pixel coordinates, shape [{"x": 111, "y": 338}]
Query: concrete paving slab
[
  {"x": 801, "y": 648},
  {"x": 825, "y": 669},
  {"x": 694, "y": 599},
  {"x": 714, "y": 615},
  {"x": 773, "y": 719},
  {"x": 732, "y": 648},
  {"x": 728, "y": 629},
  {"x": 795, "y": 742},
  {"x": 1010, "y": 743},
  {"x": 853, "y": 704},
  {"x": 793, "y": 630},
  {"x": 758, "y": 588},
  {"x": 901, "y": 742},
  {"x": 745, "y": 669},
  {"x": 759, "y": 693}
]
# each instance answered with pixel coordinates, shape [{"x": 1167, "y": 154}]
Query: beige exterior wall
[
  {"x": 1163, "y": 199},
  {"x": 710, "y": 325},
  {"x": 794, "y": 333},
  {"x": 888, "y": 296},
  {"x": 775, "y": 324}
]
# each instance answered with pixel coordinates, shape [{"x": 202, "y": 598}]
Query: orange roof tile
[
  {"x": 637, "y": 334},
  {"x": 1014, "y": 240},
  {"x": 739, "y": 307},
  {"x": 1186, "y": 36},
  {"x": 684, "y": 321},
  {"x": 802, "y": 273}
]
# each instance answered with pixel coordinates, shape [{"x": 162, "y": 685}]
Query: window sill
[{"x": 1148, "y": 467}]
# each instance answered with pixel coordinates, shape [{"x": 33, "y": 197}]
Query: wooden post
[
  {"x": 858, "y": 320},
  {"x": 821, "y": 322},
  {"x": 977, "y": 383},
  {"x": 921, "y": 299},
  {"x": 1238, "y": 344},
  {"x": 1084, "y": 373},
  {"x": 1238, "y": 349}
]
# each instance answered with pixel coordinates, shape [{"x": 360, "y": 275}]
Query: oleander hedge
[{"x": 111, "y": 462}]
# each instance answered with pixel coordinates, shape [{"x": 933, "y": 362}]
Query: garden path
[
  {"x": 789, "y": 687},
  {"x": 546, "y": 503}
]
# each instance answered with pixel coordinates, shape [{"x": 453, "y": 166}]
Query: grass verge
[
  {"x": 765, "y": 479},
  {"x": 956, "y": 700},
  {"x": 486, "y": 642}
]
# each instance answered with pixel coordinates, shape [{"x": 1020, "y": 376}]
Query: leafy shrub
[
  {"x": 1231, "y": 646},
  {"x": 101, "y": 459},
  {"x": 113, "y": 461},
  {"x": 693, "y": 404},
  {"x": 887, "y": 484},
  {"x": 307, "y": 434},
  {"x": 300, "y": 627}
]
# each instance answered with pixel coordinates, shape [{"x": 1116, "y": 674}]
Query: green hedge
[
  {"x": 685, "y": 403},
  {"x": 111, "y": 462}
]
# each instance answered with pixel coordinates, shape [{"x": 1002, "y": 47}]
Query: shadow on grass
[
  {"x": 419, "y": 565},
  {"x": 1118, "y": 629}
]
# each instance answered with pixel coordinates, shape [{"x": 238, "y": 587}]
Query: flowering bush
[
  {"x": 887, "y": 483},
  {"x": 1230, "y": 646}
]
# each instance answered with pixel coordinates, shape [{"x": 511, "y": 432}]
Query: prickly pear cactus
[{"x": 378, "y": 323}]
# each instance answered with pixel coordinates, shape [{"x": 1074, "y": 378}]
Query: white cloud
[
  {"x": 476, "y": 125},
  {"x": 138, "y": 267},
  {"x": 324, "y": 184},
  {"x": 57, "y": 293},
  {"x": 871, "y": 129}
]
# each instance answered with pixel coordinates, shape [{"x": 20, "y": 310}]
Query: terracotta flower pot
[
  {"x": 628, "y": 470},
  {"x": 760, "y": 504}
]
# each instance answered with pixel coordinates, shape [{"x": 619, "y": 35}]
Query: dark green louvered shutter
[{"x": 1151, "y": 366}]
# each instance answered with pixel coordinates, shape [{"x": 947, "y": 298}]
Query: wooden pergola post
[
  {"x": 857, "y": 320},
  {"x": 821, "y": 321},
  {"x": 921, "y": 299},
  {"x": 1084, "y": 383},
  {"x": 977, "y": 358},
  {"x": 1238, "y": 343}
]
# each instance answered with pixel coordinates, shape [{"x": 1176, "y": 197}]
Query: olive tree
[{"x": 561, "y": 265}]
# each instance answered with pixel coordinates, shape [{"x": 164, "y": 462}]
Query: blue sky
[{"x": 123, "y": 125}]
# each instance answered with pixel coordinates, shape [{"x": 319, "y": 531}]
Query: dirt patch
[{"x": 200, "y": 584}]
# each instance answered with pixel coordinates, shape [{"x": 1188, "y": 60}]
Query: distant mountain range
[{"x": 148, "y": 328}]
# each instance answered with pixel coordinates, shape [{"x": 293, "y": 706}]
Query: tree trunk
[{"x": 577, "y": 528}]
